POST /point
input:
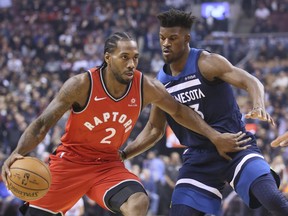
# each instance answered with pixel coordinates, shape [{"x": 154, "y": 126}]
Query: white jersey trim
[
  {"x": 46, "y": 210},
  {"x": 107, "y": 92},
  {"x": 141, "y": 93},
  {"x": 200, "y": 185},
  {"x": 183, "y": 85}
]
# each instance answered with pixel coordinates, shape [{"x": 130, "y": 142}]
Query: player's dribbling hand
[
  {"x": 261, "y": 114},
  {"x": 5, "y": 168},
  {"x": 280, "y": 141},
  {"x": 228, "y": 142}
]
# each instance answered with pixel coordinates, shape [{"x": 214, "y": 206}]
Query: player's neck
[{"x": 177, "y": 66}]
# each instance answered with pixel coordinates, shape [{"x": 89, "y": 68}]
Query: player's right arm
[
  {"x": 73, "y": 93},
  {"x": 152, "y": 132}
]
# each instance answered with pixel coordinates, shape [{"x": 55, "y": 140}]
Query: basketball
[{"x": 30, "y": 178}]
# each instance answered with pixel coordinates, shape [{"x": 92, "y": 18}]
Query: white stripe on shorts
[
  {"x": 200, "y": 185},
  {"x": 239, "y": 166}
]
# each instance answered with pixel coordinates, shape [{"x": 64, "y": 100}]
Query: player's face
[
  {"x": 174, "y": 42},
  {"x": 123, "y": 61}
]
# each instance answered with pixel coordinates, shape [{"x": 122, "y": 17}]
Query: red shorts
[{"x": 71, "y": 180}]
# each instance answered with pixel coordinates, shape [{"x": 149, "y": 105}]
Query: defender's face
[
  {"x": 123, "y": 61},
  {"x": 173, "y": 41}
]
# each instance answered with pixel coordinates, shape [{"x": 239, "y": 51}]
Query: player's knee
[
  {"x": 140, "y": 200},
  {"x": 137, "y": 203},
  {"x": 128, "y": 199}
]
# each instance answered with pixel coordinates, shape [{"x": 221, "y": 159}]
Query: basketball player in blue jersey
[{"x": 202, "y": 81}]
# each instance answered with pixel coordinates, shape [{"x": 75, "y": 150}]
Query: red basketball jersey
[{"x": 106, "y": 122}]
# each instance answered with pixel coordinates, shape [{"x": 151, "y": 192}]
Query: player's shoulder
[
  {"x": 207, "y": 56},
  {"x": 79, "y": 79},
  {"x": 76, "y": 89},
  {"x": 153, "y": 89},
  {"x": 210, "y": 61},
  {"x": 77, "y": 84}
]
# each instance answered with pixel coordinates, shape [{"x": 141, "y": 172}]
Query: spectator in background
[
  {"x": 200, "y": 31},
  {"x": 264, "y": 54},
  {"x": 14, "y": 63},
  {"x": 241, "y": 45},
  {"x": 77, "y": 210},
  {"x": 223, "y": 23},
  {"x": 173, "y": 164},
  {"x": 156, "y": 166},
  {"x": 280, "y": 51},
  {"x": 268, "y": 26},
  {"x": 151, "y": 187},
  {"x": 156, "y": 63},
  {"x": 247, "y": 6},
  {"x": 262, "y": 12},
  {"x": 9, "y": 204},
  {"x": 210, "y": 23}
]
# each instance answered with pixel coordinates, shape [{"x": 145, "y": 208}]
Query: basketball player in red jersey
[{"x": 105, "y": 104}]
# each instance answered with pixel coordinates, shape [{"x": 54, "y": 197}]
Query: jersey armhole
[
  {"x": 141, "y": 91},
  {"x": 79, "y": 110},
  {"x": 216, "y": 81}
]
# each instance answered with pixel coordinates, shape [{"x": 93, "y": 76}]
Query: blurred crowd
[
  {"x": 267, "y": 14},
  {"x": 44, "y": 42}
]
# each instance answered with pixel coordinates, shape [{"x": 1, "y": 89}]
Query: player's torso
[
  {"x": 213, "y": 101},
  {"x": 106, "y": 122}
]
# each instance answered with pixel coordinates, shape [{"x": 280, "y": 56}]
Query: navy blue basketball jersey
[{"x": 213, "y": 101}]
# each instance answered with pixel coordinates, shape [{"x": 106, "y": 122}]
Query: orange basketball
[{"x": 30, "y": 178}]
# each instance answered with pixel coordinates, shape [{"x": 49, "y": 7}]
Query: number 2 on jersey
[{"x": 111, "y": 132}]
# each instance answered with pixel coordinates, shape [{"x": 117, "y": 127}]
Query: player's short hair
[
  {"x": 111, "y": 42},
  {"x": 176, "y": 18}
]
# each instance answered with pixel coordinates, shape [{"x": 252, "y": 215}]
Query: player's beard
[
  {"x": 170, "y": 59},
  {"x": 120, "y": 79},
  {"x": 167, "y": 60}
]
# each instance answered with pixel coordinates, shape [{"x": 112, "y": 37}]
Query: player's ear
[
  {"x": 106, "y": 57},
  {"x": 187, "y": 38}
]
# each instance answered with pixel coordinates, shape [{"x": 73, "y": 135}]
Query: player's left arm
[
  {"x": 214, "y": 66},
  {"x": 156, "y": 94}
]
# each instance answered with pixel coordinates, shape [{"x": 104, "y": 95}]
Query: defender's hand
[
  {"x": 261, "y": 114},
  {"x": 228, "y": 142},
  {"x": 280, "y": 141},
  {"x": 5, "y": 168}
]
